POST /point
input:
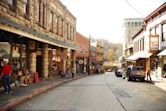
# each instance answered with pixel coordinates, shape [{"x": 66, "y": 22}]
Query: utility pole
[{"x": 89, "y": 60}]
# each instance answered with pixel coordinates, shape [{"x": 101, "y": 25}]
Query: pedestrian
[
  {"x": 148, "y": 74},
  {"x": 5, "y": 75},
  {"x": 72, "y": 72}
]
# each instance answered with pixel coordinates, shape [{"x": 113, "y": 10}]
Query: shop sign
[
  {"x": 32, "y": 46},
  {"x": 4, "y": 50},
  {"x": 80, "y": 61},
  {"x": 154, "y": 42},
  {"x": 16, "y": 51}
]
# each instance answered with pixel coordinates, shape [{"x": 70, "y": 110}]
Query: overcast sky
[{"x": 104, "y": 18}]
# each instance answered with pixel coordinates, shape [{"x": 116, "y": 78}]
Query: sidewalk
[
  {"x": 21, "y": 94},
  {"x": 159, "y": 82}
]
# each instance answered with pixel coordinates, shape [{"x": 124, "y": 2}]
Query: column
[
  {"x": 74, "y": 60},
  {"x": 160, "y": 66},
  {"x": 64, "y": 59},
  {"x": 45, "y": 61},
  {"x": 33, "y": 62}
]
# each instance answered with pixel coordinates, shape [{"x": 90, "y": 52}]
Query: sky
[{"x": 104, "y": 18}]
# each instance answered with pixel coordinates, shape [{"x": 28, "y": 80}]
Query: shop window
[{"x": 163, "y": 32}]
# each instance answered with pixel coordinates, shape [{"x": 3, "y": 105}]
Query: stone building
[
  {"x": 40, "y": 34},
  {"x": 96, "y": 56},
  {"x": 82, "y": 56},
  {"x": 130, "y": 26}
]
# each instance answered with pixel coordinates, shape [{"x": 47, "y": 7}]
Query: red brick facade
[{"x": 83, "y": 43}]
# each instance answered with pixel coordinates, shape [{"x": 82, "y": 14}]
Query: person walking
[
  {"x": 72, "y": 72},
  {"x": 5, "y": 75},
  {"x": 148, "y": 74}
]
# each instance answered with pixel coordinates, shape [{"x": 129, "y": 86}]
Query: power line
[{"x": 134, "y": 7}]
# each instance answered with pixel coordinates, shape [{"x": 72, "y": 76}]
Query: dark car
[
  {"x": 135, "y": 72},
  {"x": 119, "y": 72}
]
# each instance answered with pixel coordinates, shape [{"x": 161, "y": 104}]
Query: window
[
  {"x": 67, "y": 31},
  {"x": 26, "y": 7},
  {"x": 51, "y": 21},
  {"x": 38, "y": 12},
  {"x": 44, "y": 12},
  {"x": 157, "y": 30},
  {"x": 10, "y": 2},
  {"x": 163, "y": 32},
  {"x": 55, "y": 20}
]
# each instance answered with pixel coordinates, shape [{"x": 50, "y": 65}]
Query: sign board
[
  {"x": 154, "y": 42},
  {"x": 80, "y": 61},
  {"x": 4, "y": 50}
]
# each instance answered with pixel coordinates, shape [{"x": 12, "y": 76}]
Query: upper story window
[
  {"x": 163, "y": 32},
  {"x": 157, "y": 30},
  {"x": 12, "y": 4},
  {"x": 26, "y": 6},
  {"x": 55, "y": 20},
  {"x": 51, "y": 21}
]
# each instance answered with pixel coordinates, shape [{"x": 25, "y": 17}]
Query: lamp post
[{"x": 89, "y": 60}]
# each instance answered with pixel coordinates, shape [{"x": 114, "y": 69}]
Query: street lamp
[{"x": 89, "y": 62}]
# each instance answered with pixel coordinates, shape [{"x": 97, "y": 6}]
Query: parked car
[
  {"x": 119, "y": 72},
  {"x": 109, "y": 70},
  {"x": 135, "y": 72}
]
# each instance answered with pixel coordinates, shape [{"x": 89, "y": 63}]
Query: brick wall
[{"x": 83, "y": 43}]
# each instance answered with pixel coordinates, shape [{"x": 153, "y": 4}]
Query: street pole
[{"x": 89, "y": 58}]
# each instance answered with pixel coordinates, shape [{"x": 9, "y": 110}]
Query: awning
[
  {"x": 132, "y": 58},
  {"x": 138, "y": 55},
  {"x": 144, "y": 54},
  {"x": 162, "y": 53}
]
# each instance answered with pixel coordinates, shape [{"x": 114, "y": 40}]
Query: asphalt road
[{"x": 100, "y": 93}]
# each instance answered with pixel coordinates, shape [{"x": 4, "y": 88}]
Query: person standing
[
  {"x": 5, "y": 75},
  {"x": 148, "y": 74}
]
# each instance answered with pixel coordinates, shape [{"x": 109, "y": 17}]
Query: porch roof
[
  {"x": 50, "y": 39},
  {"x": 138, "y": 55},
  {"x": 162, "y": 53}
]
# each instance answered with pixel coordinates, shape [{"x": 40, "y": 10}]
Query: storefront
[{"x": 162, "y": 63}]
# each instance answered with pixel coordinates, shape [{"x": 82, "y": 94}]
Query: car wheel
[{"x": 142, "y": 79}]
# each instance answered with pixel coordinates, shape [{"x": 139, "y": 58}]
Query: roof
[
  {"x": 137, "y": 32},
  {"x": 156, "y": 12}
]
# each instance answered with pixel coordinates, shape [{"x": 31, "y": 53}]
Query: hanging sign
[{"x": 154, "y": 42}]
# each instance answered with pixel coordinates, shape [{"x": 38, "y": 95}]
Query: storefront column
[
  {"x": 33, "y": 62},
  {"x": 160, "y": 66},
  {"x": 45, "y": 61},
  {"x": 74, "y": 60},
  {"x": 64, "y": 59}
]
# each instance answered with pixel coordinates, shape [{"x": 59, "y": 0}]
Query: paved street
[{"x": 100, "y": 93}]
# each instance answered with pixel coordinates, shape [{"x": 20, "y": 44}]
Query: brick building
[
  {"x": 96, "y": 56},
  {"x": 82, "y": 56},
  {"x": 39, "y": 34}
]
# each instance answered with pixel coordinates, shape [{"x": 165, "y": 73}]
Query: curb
[{"x": 34, "y": 93}]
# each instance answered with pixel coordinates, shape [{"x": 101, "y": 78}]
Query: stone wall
[{"x": 31, "y": 19}]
